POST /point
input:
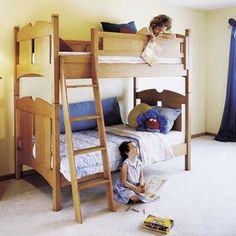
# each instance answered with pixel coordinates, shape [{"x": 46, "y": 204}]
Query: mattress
[
  {"x": 123, "y": 59},
  {"x": 91, "y": 163}
]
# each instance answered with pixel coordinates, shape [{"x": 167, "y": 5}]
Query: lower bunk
[{"x": 35, "y": 146}]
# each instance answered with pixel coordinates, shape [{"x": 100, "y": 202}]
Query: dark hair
[
  {"x": 124, "y": 149},
  {"x": 161, "y": 21}
]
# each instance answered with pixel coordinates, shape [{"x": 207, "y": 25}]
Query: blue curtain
[{"x": 227, "y": 131}]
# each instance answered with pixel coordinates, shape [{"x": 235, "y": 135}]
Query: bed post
[
  {"x": 187, "y": 106},
  {"x": 134, "y": 89},
  {"x": 18, "y": 165},
  {"x": 56, "y": 186}
]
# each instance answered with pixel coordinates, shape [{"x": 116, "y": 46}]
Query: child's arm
[
  {"x": 141, "y": 180},
  {"x": 127, "y": 184}
]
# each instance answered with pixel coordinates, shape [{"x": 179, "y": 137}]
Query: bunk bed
[{"x": 37, "y": 54}]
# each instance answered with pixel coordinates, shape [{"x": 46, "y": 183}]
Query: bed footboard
[{"x": 34, "y": 136}]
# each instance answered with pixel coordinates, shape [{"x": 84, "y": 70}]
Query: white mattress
[
  {"x": 123, "y": 59},
  {"x": 91, "y": 163}
]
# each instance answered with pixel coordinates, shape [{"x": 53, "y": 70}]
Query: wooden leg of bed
[
  {"x": 56, "y": 198},
  {"x": 187, "y": 162},
  {"x": 110, "y": 198},
  {"x": 18, "y": 171}
]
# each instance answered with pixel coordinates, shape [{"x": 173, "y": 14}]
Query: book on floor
[
  {"x": 153, "y": 184},
  {"x": 159, "y": 224}
]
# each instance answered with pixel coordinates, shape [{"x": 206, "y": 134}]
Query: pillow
[
  {"x": 170, "y": 113},
  {"x": 133, "y": 114},
  {"x": 112, "y": 27},
  {"x": 111, "y": 113}
]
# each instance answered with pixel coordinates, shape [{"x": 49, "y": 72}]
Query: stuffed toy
[
  {"x": 138, "y": 109},
  {"x": 152, "y": 121}
]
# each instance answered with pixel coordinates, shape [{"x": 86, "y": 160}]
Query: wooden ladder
[{"x": 72, "y": 154}]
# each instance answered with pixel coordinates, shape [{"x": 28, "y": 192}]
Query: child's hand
[{"x": 141, "y": 189}]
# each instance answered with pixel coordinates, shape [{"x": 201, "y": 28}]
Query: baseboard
[
  {"x": 210, "y": 134},
  {"x": 202, "y": 134},
  {"x": 12, "y": 176},
  {"x": 197, "y": 135}
]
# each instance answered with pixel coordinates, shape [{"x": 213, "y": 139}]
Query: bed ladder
[{"x": 91, "y": 181}]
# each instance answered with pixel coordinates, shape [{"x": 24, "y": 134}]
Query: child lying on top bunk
[{"x": 159, "y": 27}]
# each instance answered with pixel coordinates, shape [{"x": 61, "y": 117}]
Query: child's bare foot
[{"x": 134, "y": 199}]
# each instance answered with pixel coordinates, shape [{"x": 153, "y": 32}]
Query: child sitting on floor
[{"x": 131, "y": 181}]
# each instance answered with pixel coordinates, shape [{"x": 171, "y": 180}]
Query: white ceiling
[{"x": 203, "y": 4}]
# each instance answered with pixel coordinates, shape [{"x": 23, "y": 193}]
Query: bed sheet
[
  {"x": 124, "y": 59},
  {"x": 91, "y": 163}
]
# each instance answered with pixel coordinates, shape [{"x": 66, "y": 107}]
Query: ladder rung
[
  {"x": 81, "y": 86},
  {"x": 87, "y": 150},
  {"x": 79, "y": 118},
  {"x": 93, "y": 183}
]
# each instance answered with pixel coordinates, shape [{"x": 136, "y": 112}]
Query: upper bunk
[
  {"x": 118, "y": 55},
  {"x": 111, "y": 55}
]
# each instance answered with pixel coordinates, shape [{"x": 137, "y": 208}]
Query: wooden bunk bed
[{"x": 37, "y": 54}]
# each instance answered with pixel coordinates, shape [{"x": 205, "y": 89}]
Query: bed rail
[{"x": 123, "y": 44}]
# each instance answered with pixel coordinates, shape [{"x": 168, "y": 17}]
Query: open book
[
  {"x": 153, "y": 184},
  {"x": 161, "y": 50}
]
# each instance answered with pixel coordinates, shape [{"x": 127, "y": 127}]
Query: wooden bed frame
[{"x": 37, "y": 54}]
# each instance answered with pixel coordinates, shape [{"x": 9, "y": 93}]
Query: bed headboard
[{"x": 167, "y": 98}]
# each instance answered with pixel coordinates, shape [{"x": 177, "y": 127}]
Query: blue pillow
[
  {"x": 170, "y": 113},
  {"x": 111, "y": 113},
  {"x": 111, "y": 27}
]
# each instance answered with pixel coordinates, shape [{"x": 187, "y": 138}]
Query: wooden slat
[
  {"x": 80, "y": 118},
  {"x": 88, "y": 150},
  {"x": 43, "y": 140},
  {"x": 93, "y": 183},
  {"x": 26, "y": 133},
  {"x": 34, "y": 69},
  {"x": 79, "y": 45},
  {"x": 73, "y": 70},
  {"x": 139, "y": 70},
  {"x": 104, "y": 34},
  {"x": 134, "y": 53},
  {"x": 39, "y": 106},
  {"x": 81, "y": 86},
  {"x": 166, "y": 96},
  {"x": 180, "y": 149},
  {"x": 39, "y": 29},
  {"x": 33, "y": 163},
  {"x": 42, "y": 48},
  {"x": 25, "y": 52},
  {"x": 123, "y": 44},
  {"x": 76, "y": 59}
]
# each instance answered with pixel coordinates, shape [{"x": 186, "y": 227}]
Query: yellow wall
[
  {"x": 218, "y": 42},
  {"x": 76, "y": 19}
]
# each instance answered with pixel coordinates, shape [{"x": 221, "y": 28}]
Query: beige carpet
[{"x": 202, "y": 202}]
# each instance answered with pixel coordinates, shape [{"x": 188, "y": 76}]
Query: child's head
[
  {"x": 128, "y": 149},
  {"x": 160, "y": 24}
]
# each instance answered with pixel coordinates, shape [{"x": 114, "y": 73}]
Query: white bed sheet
[
  {"x": 123, "y": 59},
  {"x": 91, "y": 163}
]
